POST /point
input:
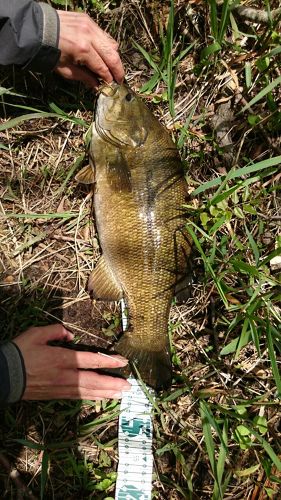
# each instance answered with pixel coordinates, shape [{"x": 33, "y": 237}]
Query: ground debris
[{"x": 223, "y": 381}]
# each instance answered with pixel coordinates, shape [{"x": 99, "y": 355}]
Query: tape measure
[{"x": 134, "y": 473}]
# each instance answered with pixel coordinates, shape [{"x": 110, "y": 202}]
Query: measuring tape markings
[{"x": 134, "y": 475}]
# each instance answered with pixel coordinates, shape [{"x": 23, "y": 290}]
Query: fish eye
[{"x": 129, "y": 97}]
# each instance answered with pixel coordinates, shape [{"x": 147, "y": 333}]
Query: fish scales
[{"x": 140, "y": 192}]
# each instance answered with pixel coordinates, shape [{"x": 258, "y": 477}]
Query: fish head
[{"x": 121, "y": 116}]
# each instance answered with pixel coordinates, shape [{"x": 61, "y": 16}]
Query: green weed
[
  {"x": 215, "y": 430},
  {"x": 165, "y": 65}
]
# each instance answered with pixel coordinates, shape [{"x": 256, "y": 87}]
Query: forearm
[
  {"x": 29, "y": 34},
  {"x": 12, "y": 374}
]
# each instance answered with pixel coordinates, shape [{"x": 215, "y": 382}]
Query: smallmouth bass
[{"x": 139, "y": 193}]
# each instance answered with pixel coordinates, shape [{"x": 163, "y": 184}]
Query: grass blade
[
  {"x": 71, "y": 171},
  {"x": 207, "y": 264},
  {"x": 253, "y": 245},
  {"x": 224, "y": 20},
  {"x": 210, "y": 50},
  {"x": 184, "y": 129},
  {"x": 255, "y": 335},
  {"x": 14, "y": 122},
  {"x": 214, "y": 18},
  {"x": 272, "y": 356},
  {"x": 234, "y": 173},
  {"x": 147, "y": 57},
  {"x": 183, "y": 53},
  {"x": 209, "y": 442},
  {"x": 220, "y": 486},
  {"x": 244, "y": 337},
  {"x": 236, "y": 344},
  {"x": 59, "y": 215},
  {"x": 268, "y": 449},
  {"x": 217, "y": 466},
  {"x": 262, "y": 93},
  {"x": 248, "y": 74},
  {"x": 6, "y": 91}
]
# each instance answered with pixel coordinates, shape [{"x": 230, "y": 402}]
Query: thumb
[
  {"x": 82, "y": 74},
  {"x": 54, "y": 332}
]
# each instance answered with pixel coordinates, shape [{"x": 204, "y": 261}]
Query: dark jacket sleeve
[
  {"x": 12, "y": 374},
  {"x": 29, "y": 35}
]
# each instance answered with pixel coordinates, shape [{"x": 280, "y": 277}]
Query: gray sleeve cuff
[
  {"x": 50, "y": 35},
  {"x": 48, "y": 54},
  {"x": 16, "y": 371}
]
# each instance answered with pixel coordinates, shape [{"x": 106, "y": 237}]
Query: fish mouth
[{"x": 108, "y": 89}]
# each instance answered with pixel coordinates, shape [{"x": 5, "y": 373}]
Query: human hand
[
  {"x": 59, "y": 373},
  {"x": 87, "y": 52}
]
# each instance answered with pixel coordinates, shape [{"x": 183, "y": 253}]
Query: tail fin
[{"x": 154, "y": 367}]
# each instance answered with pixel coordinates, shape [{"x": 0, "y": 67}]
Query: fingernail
[
  {"x": 120, "y": 358},
  {"x": 68, "y": 335},
  {"x": 117, "y": 395},
  {"x": 126, "y": 388}
]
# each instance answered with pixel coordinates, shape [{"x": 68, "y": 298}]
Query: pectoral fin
[
  {"x": 102, "y": 283},
  {"x": 118, "y": 172},
  {"x": 86, "y": 175}
]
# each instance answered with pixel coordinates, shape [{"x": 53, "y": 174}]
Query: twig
[{"x": 255, "y": 15}]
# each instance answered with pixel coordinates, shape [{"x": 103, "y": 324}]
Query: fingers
[
  {"x": 110, "y": 59},
  {"x": 42, "y": 334},
  {"x": 52, "y": 332},
  {"x": 95, "y": 63},
  {"x": 60, "y": 373},
  {"x": 83, "y": 43},
  {"x": 92, "y": 381},
  {"x": 69, "y": 393},
  {"x": 72, "y": 72},
  {"x": 77, "y": 384},
  {"x": 71, "y": 359}
]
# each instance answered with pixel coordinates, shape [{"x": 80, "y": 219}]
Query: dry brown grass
[{"x": 45, "y": 263}]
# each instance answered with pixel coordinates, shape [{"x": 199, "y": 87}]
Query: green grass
[
  {"x": 164, "y": 65},
  {"x": 216, "y": 431}
]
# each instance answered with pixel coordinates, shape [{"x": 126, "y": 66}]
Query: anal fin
[
  {"x": 102, "y": 283},
  {"x": 183, "y": 288}
]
